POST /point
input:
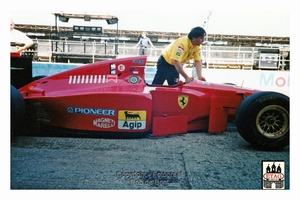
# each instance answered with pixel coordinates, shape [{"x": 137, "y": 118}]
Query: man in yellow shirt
[{"x": 170, "y": 63}]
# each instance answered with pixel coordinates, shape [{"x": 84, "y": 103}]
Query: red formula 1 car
[{"x": 111, "y": 97}]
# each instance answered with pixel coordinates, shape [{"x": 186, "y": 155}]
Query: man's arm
[
  {"x": 26, "y": 46},
  {"x": 23, "y": 38},
  {"x": 198, "y": 66},
  {"x": 181, "y": 71},
  {"x": 151, "y": 44},
  {"x": 137, "y": 44}
]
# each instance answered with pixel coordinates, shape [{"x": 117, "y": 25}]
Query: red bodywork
[{"x": 112, "y": 96}]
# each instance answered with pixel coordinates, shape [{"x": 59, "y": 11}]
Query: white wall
[{"x": 278, "y": 81}]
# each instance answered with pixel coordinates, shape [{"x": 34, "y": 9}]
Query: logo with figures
[
  {"x": 183, "y": 101},
  {"x": 273, "y": 175},
  {"x": 132, "y": 119}
]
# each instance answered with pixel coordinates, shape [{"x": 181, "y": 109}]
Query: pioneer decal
[
  {"x": 138, "y": 61},
  {"x": 132, "y": 119},
  {"x": 91, "y": 111}
]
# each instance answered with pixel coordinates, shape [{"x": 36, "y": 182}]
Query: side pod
[{"x": 163, "y": 126}]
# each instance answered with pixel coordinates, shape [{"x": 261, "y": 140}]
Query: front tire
[{"x": 262, "y": 119}]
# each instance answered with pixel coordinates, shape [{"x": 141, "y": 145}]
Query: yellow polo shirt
[{"x": 181, "y": 50}]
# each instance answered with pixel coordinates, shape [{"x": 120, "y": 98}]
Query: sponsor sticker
[
  {"x": 180, "y": 48},
  {"x": 104, "y": 122},
  {"x": 132, "y": 119},
  {"x": 91, "y": 111},
  {"x": 89, "y": 79},
  {"x": 137, "y": 61},
  {"x": 133, "y": 79},
  {"x": 273, "y": 175},
  {"x": 121, "y": 67}
]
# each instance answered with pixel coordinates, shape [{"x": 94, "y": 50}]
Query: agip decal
[{"x": 132, "y": 119}]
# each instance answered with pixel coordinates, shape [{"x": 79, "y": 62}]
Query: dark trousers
[
  {"x": 165, "y": 71},
  {"x": 143, "y": 51}
]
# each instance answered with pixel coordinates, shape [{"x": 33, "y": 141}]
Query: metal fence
[{"x": 212, "y": 56}]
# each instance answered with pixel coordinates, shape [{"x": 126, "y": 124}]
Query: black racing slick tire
[
  {"x": 17, "y": 111},
  {"x": 263, "y": 120}
]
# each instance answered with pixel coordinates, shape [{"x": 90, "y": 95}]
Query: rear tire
[
  {"x": 262, "y": 119},
  {"x": 17, "y": 109}
]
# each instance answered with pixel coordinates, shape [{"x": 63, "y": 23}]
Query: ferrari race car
[{"x": 111, "y": 97}]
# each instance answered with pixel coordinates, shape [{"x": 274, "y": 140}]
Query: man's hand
[
  {"x": 201, "y": 78},
  {"x": 20, "y": 49},
  {"x": 189, "y": 79}
]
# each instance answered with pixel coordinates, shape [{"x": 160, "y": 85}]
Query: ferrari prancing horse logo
[{"x": 183, "y": 101}]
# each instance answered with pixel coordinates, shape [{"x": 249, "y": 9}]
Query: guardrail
[{"x": 91, "y": 51}]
